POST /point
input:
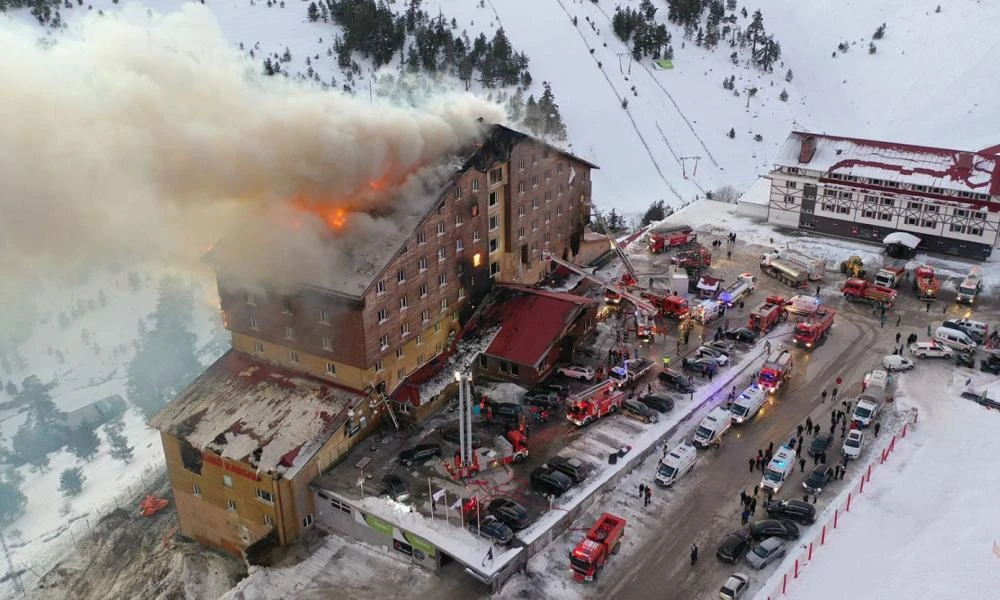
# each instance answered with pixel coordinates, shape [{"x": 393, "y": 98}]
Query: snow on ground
[
  {"x": 84, "y": 376},
  {"x": 925, "y": 525}
]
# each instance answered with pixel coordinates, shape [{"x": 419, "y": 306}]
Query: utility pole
[
  {"x": 747, "y": 92},
  {"x": 18, "y": 586},
  {"x": 621, "y": 66},
  {"x": 684, "y": 168}
]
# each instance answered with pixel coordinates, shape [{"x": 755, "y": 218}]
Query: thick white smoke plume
[{"x": 133, "y": 133}]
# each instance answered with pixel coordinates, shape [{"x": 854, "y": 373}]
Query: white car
[
  {"x": 865, "y": 412},
  {"x": 715, "y": 354},
  {"x": 581, "y": 372},
  {"x": 852, "y": 445},
  {"x": 931, "y": 349},
  {"x": 895, "y": 362},
  {"x": 735, "y": 587}
]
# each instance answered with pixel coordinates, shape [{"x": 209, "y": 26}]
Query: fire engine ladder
[
  {"x": 615, "y": 246},
  {"x": 382, "y": 399},
  {"x": 640, "y": 303}
]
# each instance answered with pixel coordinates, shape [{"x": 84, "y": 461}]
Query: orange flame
[{"x": 334, "y": 213}]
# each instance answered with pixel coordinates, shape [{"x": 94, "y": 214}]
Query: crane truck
[
  {"x": 593, "y": 403},
  {"x": 664, "y": 238},
  {"x": 603, "y": 539}
]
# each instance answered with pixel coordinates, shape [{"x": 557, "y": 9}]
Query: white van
[
  {"x": 865, "y": 412},
  {"x": 712, "y": 428},
  {"x": 781, "y": 466},
  {"x": 977, "y": 329},
  {"x": 877, "y": 382},
  {"x": 954, "y": 339},
  {"x": 747, "y": 404},
  {"x": 676, "y": 463}
]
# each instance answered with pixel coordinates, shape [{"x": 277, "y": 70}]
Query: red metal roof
[{"x": 531, "y": 321}]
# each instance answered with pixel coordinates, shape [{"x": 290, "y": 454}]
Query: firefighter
[{"x": 666, "y": 361}]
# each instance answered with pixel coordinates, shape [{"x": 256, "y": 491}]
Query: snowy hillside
[{"x": 926, "y": 60}]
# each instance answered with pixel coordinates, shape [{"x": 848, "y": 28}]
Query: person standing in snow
[
  {"x": 649, "y": 494},
  {"x": 753, "y": 462},
  {"x": 802, "y": 465},
  {"x": 877, "y": 427},
  {"x": 642, "y": 489},
  {"x": 694, "y": 554}
]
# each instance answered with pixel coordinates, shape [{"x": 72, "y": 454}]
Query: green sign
[
  {"x": 419, "y": 543},
  {"x": 379, "y": 525}
]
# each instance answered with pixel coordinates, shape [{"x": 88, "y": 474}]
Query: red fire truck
[
  {"x": 604, "y": 539},
  {"x": 511, "y": 448},
  {"x": 766, "y": 316},
  {"x": 813, "y": 331},
  {"x": 776, "y": 369},
  {"x": 695, "y": 259},
  {"x": 670, "y": 307},
  {"x": 593, "y": 403},
  {"x": 661, "y": 240},
  {"x": 925, "y": 282},
  {"x": 860, "y": 290}
]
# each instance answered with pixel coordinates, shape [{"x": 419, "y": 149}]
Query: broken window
[{"x": 190, "y": 457}]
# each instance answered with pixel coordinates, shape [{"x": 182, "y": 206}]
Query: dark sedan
[
  {"x": 543, "y": 399},
  {"x": 510, "y": 512},
  {"x": 766, "y": 528},
  {"x": 733, "y": 547},
  {"x": 801, "y": 512},
  {"x": 658, "y": 401},
  {"x": 820, "y": 444},
  {"x": 492, "y": 528},
  {"x": 419, "y": 454},
  {"x": 742, "y": 336},
  {"x": 675, "y": 380},
  {"x": 576, "y": 469},
  {"x": 395, "y": 487},
  {"x": 817, "y": 479},
  {"x": 701, "y": 366}
]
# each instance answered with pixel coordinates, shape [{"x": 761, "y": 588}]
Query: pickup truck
[{"x": 631, "y": 370}]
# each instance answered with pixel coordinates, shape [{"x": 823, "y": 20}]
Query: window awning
[{"x": 902, "y": 238}]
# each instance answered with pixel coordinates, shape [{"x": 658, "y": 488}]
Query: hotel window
[
  {"x": 404, "y": 330},
  {"x": 885, "y": 216},
  {"x": 829, "y": 192},
  {"x": 494, "y": 245},
  {"x": 844, "y": 210},
  {"x": 231, "y": 504},
  {"x": 548, "y": 196},
  {"x": 559, "y": 189},
  {"x": 253, "y": 322},
  {"x": 520, "y": 233},
  {"x": 401, "y": 276},
  {"x": 422, "y": 264},
  {"x": 534, "y": 181},
  {"x": 461, "y": 293},
  {"x": 196, "y": 490},
  {"x": 268, "y": 522},
  {"x": 293, "y": 357},
  {"x": 425, "y": 316},
  {"x": 458, "y": 192},
  {"x": 331, "y": 369},
  {"x": 379, "y": 367},
  {"x": 324, "y": 317},
  {"x": 440, "y": 228},
  {"x": 496, "y": 176},
  {"x": 437, "y": 328},
  {"x": 548, "y": 174},
  {"x": 494, "y": 222},
  {"x": 559, "y": 210},
  {"x": 494, "y": 268},
  {"x": 227, "y": 480},
  {"x": 868, "y": 214},
  {"x": 459, "y": 219},
  {"x": 888, "y": 201},
  {"x": 559, "y": 230},
  {"x": 289, "y": 333},
  {"x": 423, "y": 290},
  {"x": 404, "y": 251},
  {"x": 474, "y": 208},
  {"x": 459, "y": 245},
  {"x": 444, "y": 304},
  {"x": 961, "y": 212},
  {"x": 560, "y": 167},
  {"x": 931, "y": 208},
  {"x": 265, "y": 496},
  {"x": 250, "y": 299},
  {"x": 442, "y": 255},
  {"x": 421, "y": 238},
  {"x": 520, "y": 187},
  {"x": 791, "y": 184},
  {"x": 520, "y": 209},
  {"x": 420, "y": 342},
  {"x": 258, "y": 346},
  {"x": 534, "y": 224},
  {"x": 535, "y": 203},
  {"x": 404, "y": 302},
  {"x": 846, "y": 195},
  {"x": 789, "y": 200},
  {"x": 475, "y": 185},
  {"x": 494, "y": 198},
  {"x": 400, "y": 373},
  {"x": 442, "y": 279},
  {"x": 912, "y": 221},
  {"x": 399, "y": 353},
  {"x": 327, "y": 343},
  {"x": 548, "y": 216},
  {"x": 380, "y": 287},
  {"x": 975, "y": 231},
  {"x": 520, "y": 164},
  {"x": 475, "y": 236},
  {"x": 286, "y": 306},
  {"x": 929, "y": 224},
  {"x": 383, "y": 342},
  {"x": 383, "y": 315}
]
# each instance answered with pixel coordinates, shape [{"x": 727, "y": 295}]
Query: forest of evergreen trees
[
  {"x": 719, "y": 27},
  {"x": 640, "y": 28}
]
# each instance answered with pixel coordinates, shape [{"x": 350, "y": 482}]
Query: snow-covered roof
[
  {"x": 901, "y": 237},
  {"x": 246, "y": 410},
  {"x": 758, "y": 193},
  {"x": 956, "y": 170}
]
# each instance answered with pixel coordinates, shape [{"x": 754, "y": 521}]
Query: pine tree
[
  {"x": 532, "y": 117},
  {"x": 11, "y": 388},
  {"x": 312, "y": 12},
  {"x": 755, "y": 31},
  {"x": 788, "y": 76},
  {"x": 732, "y": 132},
  {"x": 83, "y": 443},
  {"x": 784, "y": 96},
  {"x": 879, "y": 32},
  {"x": 655, "y": 212},
  {"x": 552, "y": 124},
  {"x": 12, "y": 501},
  {"x": 71, "y": 482},
  {"x": 120, "y": 450}
]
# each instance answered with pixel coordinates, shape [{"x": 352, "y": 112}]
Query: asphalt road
[{"x": 704, "y": 506}]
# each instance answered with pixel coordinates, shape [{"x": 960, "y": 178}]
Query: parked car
[
  {"x": 675, "y": 380},
  {"x": 419, "y": 454},
  {"x": 733, "y": 546},
  {"x": 493, "y": 528},
  {"x": 817, "y": 479},
  {"x": 542, "y": 399},
  {"x": 766, "y": 553},
  {"x": 395, "y": 487},
  {"x": 505, "y": 410},
  {"x": 735, "y": 587},
  {"x": 451, "y": 434},
  {"x": 511, "y": 513},
  {"x": 575, "y": 371},
  {"x": 895, "y": 362},
  {"x": 701, "y": 366},
  {"x": 718, "y": 356},
  {"x": 801, "y": 512},
  {"x": 780, "y": 528},
  {"x": 576, "y": 469},
  {"x": 723, "y": 346},
  {"x": 852, "y": 445},
  {"x": 820, "y": 443},
  {"x": 658, "y": 401},
  {"x": 742, "y": 336},
  {"x": 550, "y": 482},
  {"x": 639, "y": 411},
  {"x": 965, "y": 359},
  {"x": 931, "y": 349}
]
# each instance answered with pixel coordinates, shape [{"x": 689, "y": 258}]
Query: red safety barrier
[
  {"x": 849, "y": 502},
  {"x": 884, "y": 454},
  {"x": 784, "y": 583},
  {"x": 836, "y": 515},
  {"x": 862, "y": 488},
  {"x": 796, "y": 568},
  {"x": 892, "y": 444},
  {"x": 822, "y": 537},
  {"x": 903, "y": 434},
  {"x": 868, "y": 477},
  {"x": 810, "y": 551}
]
